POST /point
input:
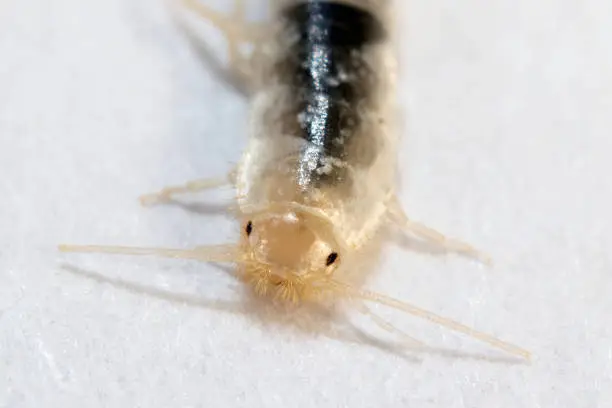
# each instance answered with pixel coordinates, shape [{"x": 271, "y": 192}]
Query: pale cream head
[{"x": 289, "y": 246}]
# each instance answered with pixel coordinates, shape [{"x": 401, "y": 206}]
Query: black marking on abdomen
[{"x": 326, "y": 68}]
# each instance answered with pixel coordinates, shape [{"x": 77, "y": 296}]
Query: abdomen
[{"x": 323, "y": 117}]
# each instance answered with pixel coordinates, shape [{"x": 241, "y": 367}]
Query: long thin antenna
[
  {"x": 215, "y": 253},
  {"x": 434, "y": 318}
]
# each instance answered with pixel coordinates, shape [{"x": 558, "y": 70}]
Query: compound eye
[
  {"x": 331, "y": 258},
  {"x": 248, "y": 228}
]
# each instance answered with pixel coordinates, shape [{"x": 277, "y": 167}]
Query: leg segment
[
  {"x": 237, "y": 32},
  {"x": 398, "y": 215},
  {"x": 166, "y": 194}
]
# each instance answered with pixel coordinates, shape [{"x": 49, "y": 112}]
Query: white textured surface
[{"x": 508, "y": 145}]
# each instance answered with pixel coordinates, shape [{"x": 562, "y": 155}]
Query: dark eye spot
[
  {"x": 331, "y": 258},
  {"x": 249, "y": 228}
]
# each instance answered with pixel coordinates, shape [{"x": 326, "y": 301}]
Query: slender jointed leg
[
  {"x": 426, "y": 233},
  {"x": 237, "y": 31},
  {"x": 166, "y": 193}
]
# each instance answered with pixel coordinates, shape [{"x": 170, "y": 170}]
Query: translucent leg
[
  {"x": 167, "y": 193},
  {"x": 237, "y": 31},
  {"x": 424, "y": 232}
]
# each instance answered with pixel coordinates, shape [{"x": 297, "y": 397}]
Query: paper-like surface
[{"x": 507, "y": 145}]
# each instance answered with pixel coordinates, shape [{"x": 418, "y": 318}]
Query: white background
[{"x": 507, "y": 145}]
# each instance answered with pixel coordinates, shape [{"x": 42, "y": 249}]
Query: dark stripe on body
[{"x": 325, "y": 67}]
